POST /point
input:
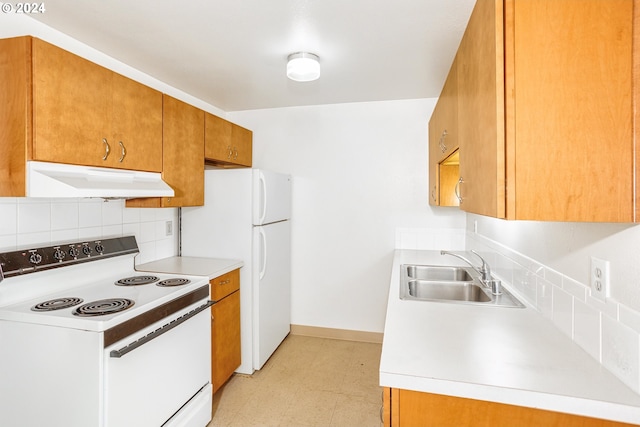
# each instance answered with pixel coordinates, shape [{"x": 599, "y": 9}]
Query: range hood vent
[{"x": 46, "y": 179}]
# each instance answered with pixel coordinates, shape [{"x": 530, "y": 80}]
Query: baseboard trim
[{"x": 338, "y": 334}]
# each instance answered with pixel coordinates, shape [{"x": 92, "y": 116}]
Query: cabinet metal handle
[
  {"x": 124, "y": 152},
  {"x": 456, "y": 190},
  {"x": 433, "y": 193},
  {"x": 235, "y": 153},
  {"x": 230, "y": 152},
  {"x": 225, "y": 282},
  {"x": 107, "y": 149},
  {"x": 155, "y": 334},
  {"x": 443, "y": 137}
]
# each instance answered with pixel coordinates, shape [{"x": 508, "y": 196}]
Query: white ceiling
[{"x": 232, "y": 53}]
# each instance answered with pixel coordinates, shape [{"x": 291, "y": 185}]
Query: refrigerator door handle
[
  {"x": 263, "y": 188},
  {"x": 263, "y": 267}
]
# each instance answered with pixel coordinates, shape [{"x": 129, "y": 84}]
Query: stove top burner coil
[
  {"x": 103, "y": 307},
  {"x": 136, "y": 280},
  {"x": 57, "y": 304},
  {"x": 174, "y": 281}
]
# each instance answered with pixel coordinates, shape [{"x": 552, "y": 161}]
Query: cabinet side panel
[
  {"x": 15, "y": 114},
  {"x": 573, "y": 110},
  {"x": 481, "y": 111}
]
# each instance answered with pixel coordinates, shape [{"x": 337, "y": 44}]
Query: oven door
[{"x": 161, "y": 374}]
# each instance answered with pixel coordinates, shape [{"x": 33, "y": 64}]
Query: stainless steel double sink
[{"x": 450, "y": 284}]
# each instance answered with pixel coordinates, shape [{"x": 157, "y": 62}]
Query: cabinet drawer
[{"x": 223, "y": 285}]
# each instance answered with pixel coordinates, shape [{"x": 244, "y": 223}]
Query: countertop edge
[{"x": 196, "y": 266}]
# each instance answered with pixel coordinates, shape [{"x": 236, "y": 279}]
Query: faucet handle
[{"x": 485, "y": 269}]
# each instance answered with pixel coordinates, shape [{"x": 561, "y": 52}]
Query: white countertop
[
  {"x": 499, "y": 354},
  {"x": 196, "y": 266}
]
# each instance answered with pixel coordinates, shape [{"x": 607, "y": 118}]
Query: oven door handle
[{"x": 155, "y": 334}]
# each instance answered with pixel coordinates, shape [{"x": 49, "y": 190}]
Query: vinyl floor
[{"x": 307, "y": 382}]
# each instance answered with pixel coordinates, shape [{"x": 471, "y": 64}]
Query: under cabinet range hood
[{"x": 46, "y": 179}]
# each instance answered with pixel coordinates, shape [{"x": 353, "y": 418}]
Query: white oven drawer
[{"x": 148, "y": 383}]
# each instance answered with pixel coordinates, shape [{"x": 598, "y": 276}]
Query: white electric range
[{"x": 88, "y": 341}]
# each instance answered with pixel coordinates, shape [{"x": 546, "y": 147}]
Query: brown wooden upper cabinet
[
  {"x": 545, "y": 110},
  {"x": 62, "y": 108},
  {"x": 444, "y": 166},
  {"x": 226, "y": 144},
  {"x": 183, "y": 150}
]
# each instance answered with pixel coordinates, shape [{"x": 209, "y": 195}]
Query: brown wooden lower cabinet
[
  {"x": 225, "y": 328},
  {"x": 408, "y": 408}
]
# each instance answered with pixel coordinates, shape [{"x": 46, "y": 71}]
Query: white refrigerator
[{"x": 246, "y": 215}]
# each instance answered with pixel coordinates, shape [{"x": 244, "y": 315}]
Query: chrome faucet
[{"x": 484, "y": 270}]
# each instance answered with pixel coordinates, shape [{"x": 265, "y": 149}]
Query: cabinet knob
[
  {"x": 123, "y": 153},
  {"x": 107, "y": 149}
]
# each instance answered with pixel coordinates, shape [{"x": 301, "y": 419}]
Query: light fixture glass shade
[{"x": 303, "y": 67}]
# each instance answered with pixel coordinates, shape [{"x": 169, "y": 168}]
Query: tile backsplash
[
  {"x": 30, "y": 222},
  {"x": 608, "y": 331}
]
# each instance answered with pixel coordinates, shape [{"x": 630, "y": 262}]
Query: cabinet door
[
  {"x": 217, "y": 139},
  {"x": 481, "y": 111},
  {"x": 225, "y": 339},
  {"x": 242, "y": 144},
  {"x": 71, "y": 107},
  {"x": 435, "y": 134},
  {"x": 443, "y": 142},
  {"x": 85, "y": 114},
  {"x": 573, "y": 157},
  {"x": 227, "y": 144},
  {"x": 135, "y": 126}
]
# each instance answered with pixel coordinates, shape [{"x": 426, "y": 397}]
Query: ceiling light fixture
[{"x": 303, "y": 67}]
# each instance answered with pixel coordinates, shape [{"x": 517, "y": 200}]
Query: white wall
[{"x": 359, "y": 176}]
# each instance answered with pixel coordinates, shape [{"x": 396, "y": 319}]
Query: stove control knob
[
  {"x": 59, "y": 254},
  {"x": 73, "y": 252},
  {"x": 99, "y": 248},
  {"x": 86, "y": 249},
  {"x": 35, "y": 258}
]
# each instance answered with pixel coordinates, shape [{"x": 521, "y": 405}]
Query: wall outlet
[
  {"x": 599, "y": 278},
  {"x": 169, "y": 228}
]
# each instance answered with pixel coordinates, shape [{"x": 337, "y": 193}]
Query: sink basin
[
  {"x": 452, "y": 291},
  {"x": 438, "y": 273},
  {"x": 452, "y": 284}
]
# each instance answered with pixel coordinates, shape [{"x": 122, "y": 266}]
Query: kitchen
[{"x": 378, "y": 149}]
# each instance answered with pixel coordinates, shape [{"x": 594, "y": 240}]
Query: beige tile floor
[{"x": 307, "y": 382}]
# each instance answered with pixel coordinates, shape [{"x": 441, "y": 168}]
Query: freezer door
[
  {"x": 271, "y": 289},
  {"x": 271, "y": 197}
]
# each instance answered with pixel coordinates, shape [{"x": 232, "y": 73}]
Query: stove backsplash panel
[{"x": 28, "y": 222}]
